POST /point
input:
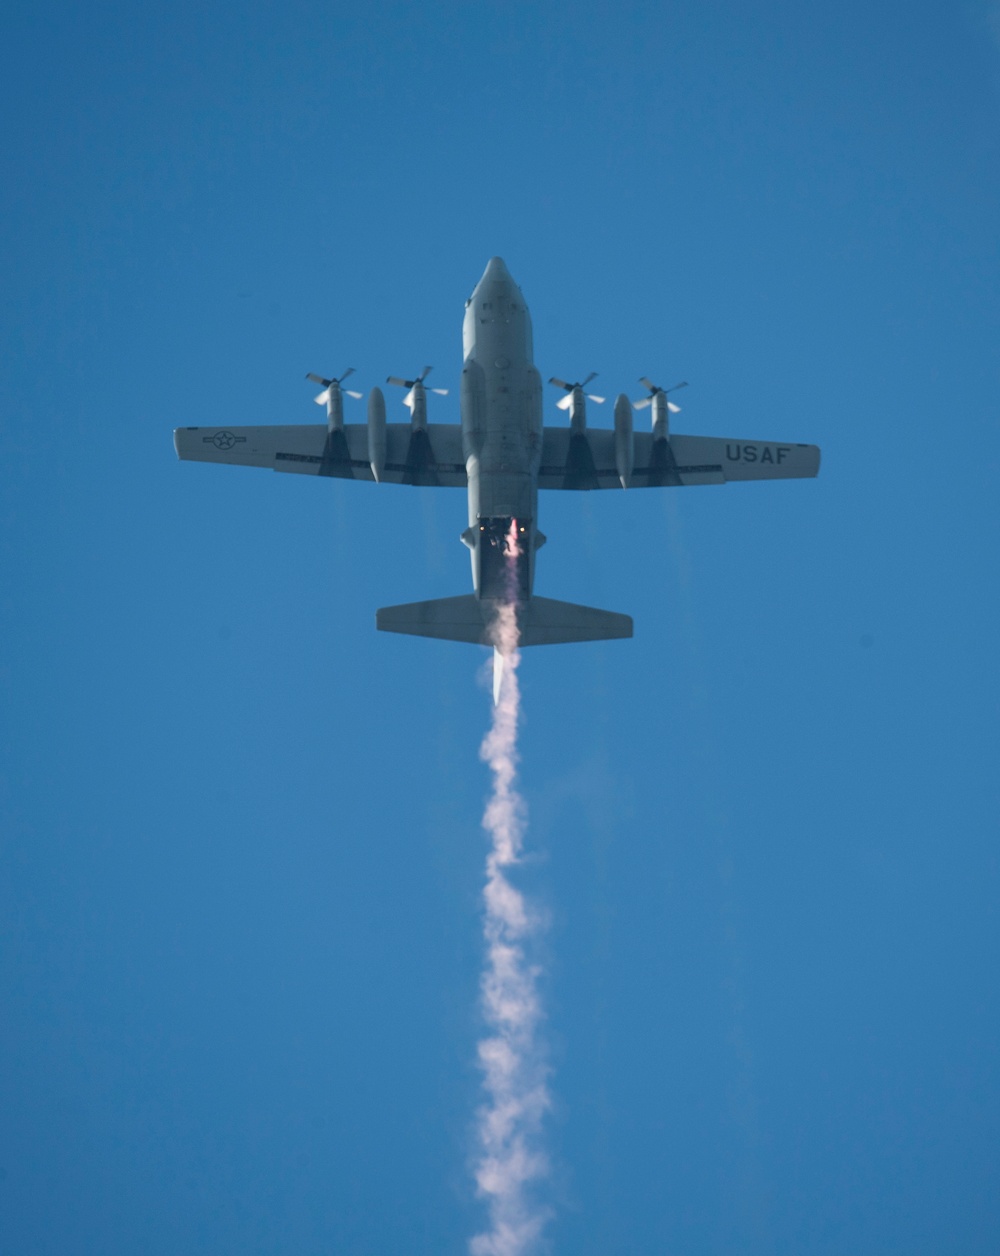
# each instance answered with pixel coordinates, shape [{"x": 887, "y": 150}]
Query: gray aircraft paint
[
  {"x": 502, "y": 454},
  {"x": 501, "y": 418}
]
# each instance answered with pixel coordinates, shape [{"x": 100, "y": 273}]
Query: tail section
[
  {"x": 542, "y": 621},
  {"x": 451, "y": 618},
  {"x": 547, "y": 622}
]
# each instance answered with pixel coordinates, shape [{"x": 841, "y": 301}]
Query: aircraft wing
[
  {"x": 428, "y": 456},
  {"x": 587, "y": 460}
]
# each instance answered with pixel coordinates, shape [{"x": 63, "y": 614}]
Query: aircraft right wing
[
  {"x": 586, "y": 460},
  {"x": 423, "y": 456}
]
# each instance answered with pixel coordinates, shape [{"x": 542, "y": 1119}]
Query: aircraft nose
[{"x": 496, "y": 269}]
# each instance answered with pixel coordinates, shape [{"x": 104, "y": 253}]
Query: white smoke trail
[{"x": 511, "y": 1158}]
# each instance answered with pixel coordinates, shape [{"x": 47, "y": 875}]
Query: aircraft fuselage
[
  {"x": 502, "y": 454},
  {"x": 501, "y": 406}
]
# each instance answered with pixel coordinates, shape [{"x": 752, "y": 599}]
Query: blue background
[{"x": 240, "y": 846}]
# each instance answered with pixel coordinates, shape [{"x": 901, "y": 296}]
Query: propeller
[
  {"x": 656, "y": 391},
  {"x": 324, "y": 396},
  {"x": 412, "y": 383},
  {"x": 565, "y": 402}
]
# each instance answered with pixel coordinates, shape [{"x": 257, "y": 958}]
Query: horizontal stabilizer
[
  {"x": 451, "y": 618},
  {"x": 542, "y": 621},
  {"x": 548, "y": 622}
]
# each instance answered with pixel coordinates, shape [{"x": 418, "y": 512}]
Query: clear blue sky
[{"x": 240, "y": 854}]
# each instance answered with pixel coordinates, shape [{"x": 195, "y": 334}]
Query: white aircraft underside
[{"x": 502, "y": 454}]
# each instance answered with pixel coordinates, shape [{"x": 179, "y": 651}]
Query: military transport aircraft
[{"x": 502, "y": 454}]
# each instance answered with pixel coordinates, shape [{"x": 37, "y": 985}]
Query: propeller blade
[
  {"x": 600, "y": 400},
  {"x": 423, "y": 374},
  {"x": 561, "y": 383},
  {"x": 564, "y": 403},
  {"x": 400, "y": 383},
  {"x": 408, "y": 399},
  {"x": 351, "y": 393},
  {"x": 349, "y": 371},
  {"x": 323, "y": 397},
  {"x": 592, "y": 375},
  {"x": 318, "y": 379},
  {"x": 441, "y": 392},
  {"x": 642, "y": 403},
  {"x": 656, "y": 391}
]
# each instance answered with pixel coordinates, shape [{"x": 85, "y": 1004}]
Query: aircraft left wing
[
  {"x": 587, "y": 460},
  {"x": 423, "y": 456}
]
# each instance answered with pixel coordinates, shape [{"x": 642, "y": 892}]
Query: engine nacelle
[
  {"x": 661, "y": 416},
  {"x": 376, "y": 432},
  {"x": 416, "y": 399},
  {"x": 577, "y": 410},
  {"x": 624, "y": 440},
  {"x": 334, "y": 407}
]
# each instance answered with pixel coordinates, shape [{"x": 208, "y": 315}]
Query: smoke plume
[{"x": 511, "y": 1158}]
